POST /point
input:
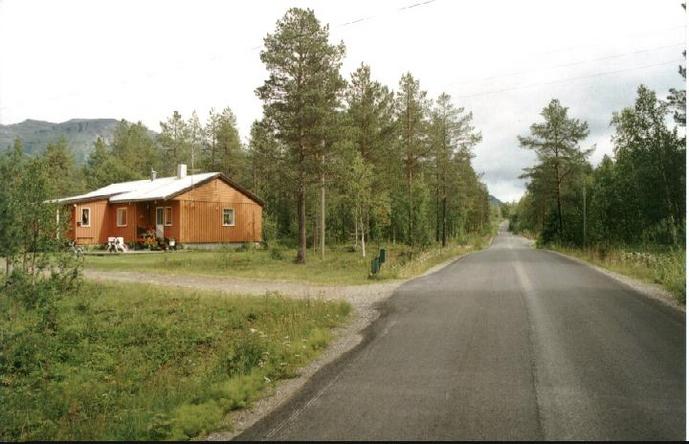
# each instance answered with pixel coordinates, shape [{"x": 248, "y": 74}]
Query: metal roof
[{"x": 157, "y": 189}]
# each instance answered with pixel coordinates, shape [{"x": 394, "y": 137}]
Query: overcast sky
[{"x": 502, "y": 60}]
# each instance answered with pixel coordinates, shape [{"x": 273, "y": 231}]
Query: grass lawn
[
  {"x": 661, "y": 266},
  {"x": 340, "y": 266},
  {"x": 132, "y": 362}
]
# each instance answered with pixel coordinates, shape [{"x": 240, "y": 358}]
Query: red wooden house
[{"x": 207, "y": 208}]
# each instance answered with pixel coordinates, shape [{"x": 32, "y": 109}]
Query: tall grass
[
  {"x": 133, "y": 362},
  {"x": 410, "y": 262},
  {"x": 652, "y": 264}
]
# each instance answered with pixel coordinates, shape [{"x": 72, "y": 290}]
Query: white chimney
[
  {"x": 181, "y": 170},
  {"x": 154, "y": 174}
]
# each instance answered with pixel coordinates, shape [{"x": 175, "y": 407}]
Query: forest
[
  {"x": 626, "y": 213},
  {"x": 635, "y": 197},
  {"x": 336, "y": 160}
]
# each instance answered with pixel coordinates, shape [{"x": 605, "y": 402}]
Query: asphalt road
[{"x": 511, "y": 343}]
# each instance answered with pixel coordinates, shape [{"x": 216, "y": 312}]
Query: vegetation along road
[{"x": 508, "y": 343}]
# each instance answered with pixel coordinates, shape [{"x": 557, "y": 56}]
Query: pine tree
[
  {"x": 300, "y": 95},
  {"x": 556, "y": 143},
  {"x": 411, "y": 109},
  {"x": 175, "y": 143}
]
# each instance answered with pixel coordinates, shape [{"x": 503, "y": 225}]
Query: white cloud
[{"x": 142, "y": 60}]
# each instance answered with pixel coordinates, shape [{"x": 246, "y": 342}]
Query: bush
[{"x": 276, "y": 253}]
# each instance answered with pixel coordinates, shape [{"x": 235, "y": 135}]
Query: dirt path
[{"x": 357, "y": 295}]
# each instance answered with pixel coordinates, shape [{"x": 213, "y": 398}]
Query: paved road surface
[{"x": 509, "y": 343}]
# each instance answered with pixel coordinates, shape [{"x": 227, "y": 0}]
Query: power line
[
  {"x": 569, "y": 79},
  {"x": 565, "y": 65}
]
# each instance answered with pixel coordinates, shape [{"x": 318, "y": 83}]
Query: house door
[{"x": 160, "y": 227}]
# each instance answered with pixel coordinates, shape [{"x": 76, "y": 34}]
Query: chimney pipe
[
  {"x": 154, "y": 174},
  {"x": 181, "y": 170}
]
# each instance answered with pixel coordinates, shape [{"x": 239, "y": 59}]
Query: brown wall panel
[
  {"x": 202, "y": 222},
  {"x": 94, "y": 234}
]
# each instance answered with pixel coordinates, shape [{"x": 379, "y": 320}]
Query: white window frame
[
  {"x": 117, "y": 216},
  {"x": 234, "y": 220},
  {"x": 81, "y": 217},
  {"x": 165, "y": 221}
]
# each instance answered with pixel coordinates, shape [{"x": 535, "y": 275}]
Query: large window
[
  {"x": 228, "y": 217},
  {"x": 85, "y": 217},
  {"x": 121, "y": 217}
]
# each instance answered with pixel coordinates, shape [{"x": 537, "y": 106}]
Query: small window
[
  {"x": 85, "y": 217},
  {"x": 228, "y": 217},
  {"x": 159, "y": 215},
  {"x": 121, "y": 217},
  {"x": 168, "y": 216}
]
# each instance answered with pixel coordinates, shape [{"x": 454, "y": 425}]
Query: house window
[
  {"x": 164, "y": 216},
  {"x": 228, "y": 217},
  {"x": 85, "y": 217},
  {"x": 121, "y": 217}
]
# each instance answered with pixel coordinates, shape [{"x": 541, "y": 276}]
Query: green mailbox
[{"x": 375, "y": 265}]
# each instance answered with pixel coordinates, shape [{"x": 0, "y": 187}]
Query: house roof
[{"x": 158, "y": 189}]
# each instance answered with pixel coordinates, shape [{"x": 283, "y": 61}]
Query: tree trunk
[
  {"x": 322, "y": 234},
  {"x": 363, "y": 239},
  {"x": 559, "y": 201},
  {"x": 444, "y": 224},
  {"x": 437, "y": 214},
  {"x": 356, "y": 228},
  {"x": 301, "y": 203},
  {"x": 411, "y": 209}
]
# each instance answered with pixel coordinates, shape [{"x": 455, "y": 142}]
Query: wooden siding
[
  {"x": 201, "y": 214},
  {"x": 96, "y": 232},
  {"x": 128, "y": 232},
  {"x": 203, "y": 222},
  {"x": 215, "y": 190}
]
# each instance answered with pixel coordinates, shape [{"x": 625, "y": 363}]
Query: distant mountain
[
  {"x": 79, "y": 133},
  {"x": 494, "y": 200}
]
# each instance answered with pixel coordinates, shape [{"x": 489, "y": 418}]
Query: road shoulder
[{"x": 646, "y": 289}]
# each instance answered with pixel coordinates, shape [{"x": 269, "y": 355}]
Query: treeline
[
  {"x": 335, "y": 159},
  {"x": 634, "y": 198}
]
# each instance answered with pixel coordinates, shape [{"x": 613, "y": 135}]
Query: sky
[{"x": 503, "y": 60}]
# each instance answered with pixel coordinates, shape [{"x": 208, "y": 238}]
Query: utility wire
[
  {"x": 565, "y": 65},
  {"x": 371, "y": 17},
  {"x": 569, "y": 79}
]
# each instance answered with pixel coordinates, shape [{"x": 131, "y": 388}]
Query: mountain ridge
[{"x": 80, "y": 134}]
